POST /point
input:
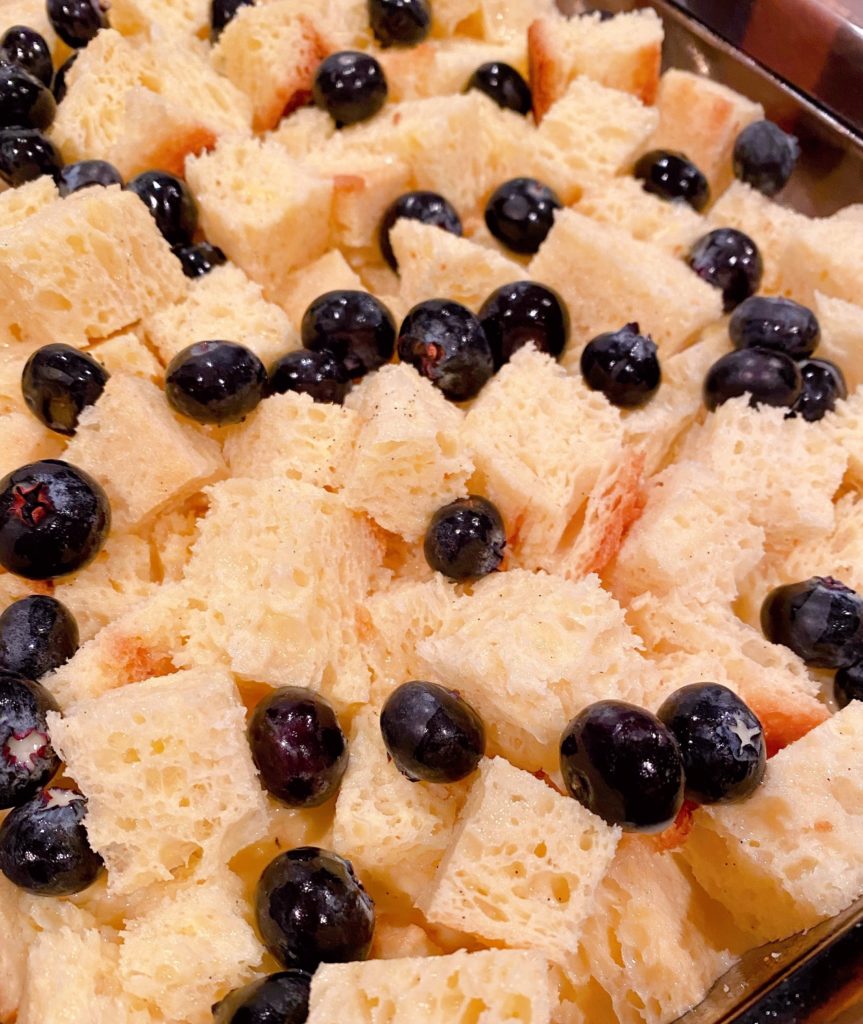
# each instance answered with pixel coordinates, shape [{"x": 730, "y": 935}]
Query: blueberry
[
  {"x": 427, "y": 208},
  {"x": 54, "y": 519},
  {"x": 26, "y": 154},
  {"x": 281, "y": 998},
  {"x": 37, "y": 635},
  {"x": 623, "y": 764},
  {"x": 86, "y": 173},
  {"x": 352, "y": 326},
  {"x": 465, "y": 539},
  {"x": 673, "y": 176},
  {"x": 823, "y": 386},
  {"x": 199, "y": 259},
  {"x": 27, "y": 759},
  {"x": 520, "y": 213},
  {"x": 502, "y": 83},
  {"x": 400, "y": 22},
  {"x": 848, "y": 684},
  {"x": 431, "y": 733},
  {"x": 170, "y": 203},
  {"x": 76, "y": 22},
  {"x": 215, "y": 382},
  {"x": 298, "y": 746},
  {"x": 623, "y": 365},
  {"x": 721, "y": 742},
  {"x": 524, "y": 313},
  {"x": 25, "y": 102},
  {"x": 26, "y": 48},
  {"x": 763, "y": 321},
  {"x": 730, "y": 261},
  {"x": 311, "y": 909},
  {"x": 350, "y": 86},
  {"x": 820, "y": 619},
  {"x": 44, "y": 847},
  {"x": 769, "y": 378},
  {"x": 222, "y": 12},
  {"x": 764, "y": 156},
  {"x": 445, "y": 342},
  {"x": 317, "y": 374},
  {"x": 59, "y": 382},
  {"x": 59, "y": 87}
]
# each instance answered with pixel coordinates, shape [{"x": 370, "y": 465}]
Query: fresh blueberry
[
  {"x": 502, "y": 83},
  {"x": 26, "y": 48},
  {"x": 465, "y": 539},
  {"x": 350, "y": 86},
  {"x": 37, "y": 635},
  {"x": 763, "y": 321},
  {"x": 848, "y": 684},
  {"x": 623, "y": 764},
  {"x": 823, "y": 386},
  {"x": 59, "y": 382},
  {"x": 281, "y": 998},
  {"x": 768, "y": 378},
  {"x": 764, "y": 156},
  {"x": 215, "y": 382},
  {"x": 445, "y": 342},
  {"x": 730, "y": 261},
  {"x": 820, "y": 619},
  {"x": 721, "y": 742},
  {"x": 222, "y": 12},
  {"x": 524, "y": 313},
  {"x": 431, "y": 733},
  {"x": 199, "y": 259},
  {"x": 76, "y": 22},
  {"x": 44, "y": 847},
  {"x": 311, "y": 909},
  {"x": 27, "y": 759},
  {"x": 400, "y": 22},
  {"x": 54, "y": 519},
  {"x": 25, "y": 102},
  {"x": 170, "y": 202},
  {"x": 520, "y": 213},
  {"x": 27, "y": 154},
  {"x": 673, "y": 176},
  {"x": 317, "y": 374},
  {"x": 59, "y": 87},
  {"x": 352, "y": 326},
  {"x": 298, "y": 746},
  {"x": 623, "y": 365},
  {"x": 427, "y": 208},
  {"x": 86, "y": 173}
]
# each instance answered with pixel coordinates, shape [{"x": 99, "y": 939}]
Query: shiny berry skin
[
  {"x": 764, "y": 156},
  {"x": 623, "y": 764},
  {"x": 465, "y": 539},
  {"x": 59, "y": 87},
  {"x": 27, "y": 759},
  {"x": 54, "y": 519},
  {"x": 721, "y": 742},
  {"x": 427, "y": 208},
  {"x": 350, "y": 86},
  {"x": 623, "y": 365},
  {"x": 400, "y": 22},
  {"x": 37, "y": 635},
  {"x": 298, "y": 746},
  {"x": 311, "y": 909},
  {"x": 768, "y": 378},
  {"x": 848, "y": 684},
  {"x": 44, "y": 847},
  {"x": 730, "y": 261},
  {"x": 59, "y": 382},
  {"x": 431, "y": 733},
  {"x": 763, "y": 321},
  {"x": 215, "y": 382},
  {"x": 85, "y": 174},
  {"x": 199, "y": 259},
  {"x": 674, "y": 177},
  {"x": 170, "y": 203},
  {"x": 28, "y": 49},
  {"x": 352, "y": 326},
  {"x": 503, "y": 84},
  {"x": 76, "y": 22},
  {"x": 820, "y": 619},
  {"x": 281, "y": 998},
  {"x": 25, "y": 102},
  {"x": 222, "y": 12},
  {"x": 317, "y": 374},
  {"x": 823, "y": 386},
  {"x": 25, "y": 155},
  {"x": 520, "y": 213},
  {"x": 524, "y": 313},
  {"x": 445, "y": 342}
]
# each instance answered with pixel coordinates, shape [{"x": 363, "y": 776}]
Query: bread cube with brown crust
[{"x": 13, "y": 955}]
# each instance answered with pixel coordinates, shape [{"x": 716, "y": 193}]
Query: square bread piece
[
  {"x": 17, "y": 204},
  {"x": 495, "y": 21},
  {"x": 156, "y": 19},
  {"x": 23, "y": 439}
]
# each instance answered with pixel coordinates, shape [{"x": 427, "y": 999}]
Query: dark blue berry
[
  {"x": 27, "y": 759},
  {"x": 317, "y": 374},
  {"x": 673, "y": 176},
  {"x": 25, "y": 102},
  {"x": 520, "y": 213},
  {"x": 28, "y": 49},
  {"x": 86, "y": 173},
  {"x": 59, "y": 87},
  {"x": 311, "y": 909},
  {"x": 76, "y": 22},
  {"x": 730, "y": 261},
  {"x": 199, "y": 259},
  {"x": 445, "y": 342},
  {"x": 503, "y": 84},
  {"x": 823, "y": 386},
  {"x": 352, "y": 326},
  {"x": 222, "y": 12},
  {"x": 37, "y": 635},
  {"x": 820, "y": 619},
  {"x": 623, "y": 365},
  {"x": 59, "y": 382},
  {"x": 281, "y": 998},
  {"x": 54, "y": 519},
  {"x": 298, "y": 746},
  {"x": 848, "y": 684},
  {"x": 623, "y": 764},
  {"x": 431, "y": 733},
  {"x": 768, "y": 378},
  {"x": 763, "y": 321},
  {"x": 27, "y": 154},
  {"x": 764, "y": 156},
  {"x": 721, "y": 742},
  {"x": 44, "y": 847},
  {"x": 427, "y": 208},
  {"x": 400, "y": 22},
  {"x": 170, "y": 203},
  {"x": 524, "y": 313},
  {"x": 465, "y": 539},
  {"x": 215, "y": 382},
  {"x": 350, "y": 86}
]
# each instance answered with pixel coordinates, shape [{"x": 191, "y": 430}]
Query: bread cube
[
  {"x": 127, "y": 353},
  {"x": 303, "y": 131},
  {"x": 441, "y": 67},
  {"x": 846, "y": 427},
  {"x": 17, "y": 204},
  {"x": 344, "y": 24},
  {"x": 330, "y": 272},
  {"x": 24, "y": 439},
  {"x": 172, "y": 536},
  {"x": 161, "y": 18},
  {"x": 13, "y": 955},
  {"x": 824, "y": 257},
  {"x": 394, "y": 940},
  {"x": 841, "y": 336}
]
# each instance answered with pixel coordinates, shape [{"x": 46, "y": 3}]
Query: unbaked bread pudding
[{"x": 431, "y": 519}]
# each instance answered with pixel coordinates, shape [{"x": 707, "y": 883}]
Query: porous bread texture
[
  {"x": 330, "y": 272},
  {"x": 494, "y": 21},
  {"x": 126, "y": 352},
  {"x": 787, "y": 856},
  {"x": 161, "y": 19},
  {"x": 841, "y": 336},
  {"x": 304, "y": 131},
  {"x": 171, "y": 537},
  {"x": 824, "y": 257},
  {"x": 24, "y": 440},
  {"x": 17, "y": 204},
  {"x": 13, "y": 954},
  {"x": 164, "y": 782},
  {"x": 846, "y": 428}
]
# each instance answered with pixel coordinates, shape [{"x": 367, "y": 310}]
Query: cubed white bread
[
  {"x": 13, "y": 587},
  {"x": 641, "y": 283},
  {"x": 439, "y": 67},
  {"x": 788, "y": 856},
  {"x": 330, "y": 272},
  {"x": 343, "y": 23},
  {"x": 126, "y": 352},
  {"x": 303, "y": 131},
  {"x": 841, "y": 336},
  {"x": 13, "y": 954},
  {"x": 825, "y": 257},
  {"x": 161, "y": 19},
  {"x": 17, "y": 204},
  {"x": 495, "y": 21},
  {"x": 33, "y": 14},
  {"x": 24, "y": 439},
  {"x": 171, "y": 537},
  {"x": 395, "y": 940},
  {"x": 12, "y": 360},
  {"x": 164, "y": 781},
  {"x": 846, "y": 426}
]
